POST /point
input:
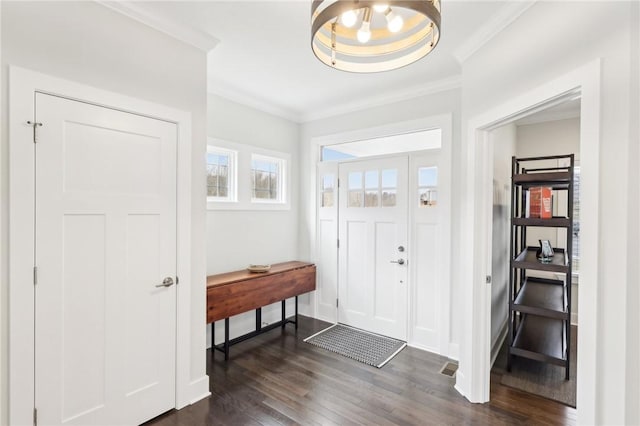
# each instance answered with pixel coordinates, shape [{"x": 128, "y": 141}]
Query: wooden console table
[{"x": 237, "y": 292}]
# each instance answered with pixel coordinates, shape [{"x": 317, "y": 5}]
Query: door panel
[
  {"x": 428, "y": 274},
  {"x": 327, "y": 248},
  {"x": 372, "y": 225},
  {"x": 105, "y": 237}
]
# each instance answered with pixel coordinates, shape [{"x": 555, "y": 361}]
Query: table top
[{"x": 243, "y": 275}]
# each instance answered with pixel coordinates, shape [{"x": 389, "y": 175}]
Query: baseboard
[
  {"x": 424, "y": 348},
  {"x": 497, "y": 344},
  {"x": 199, "y": 389},
  {"x": 460, "y": 379},
  {"x": 454, "y": 352}
]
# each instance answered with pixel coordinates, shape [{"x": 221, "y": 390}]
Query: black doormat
[
  {"x": 360, "y": 345},
  {"x": 542, "y": 379}
]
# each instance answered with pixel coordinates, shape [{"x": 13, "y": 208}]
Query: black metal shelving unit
[{"x": 539, "y": 308}]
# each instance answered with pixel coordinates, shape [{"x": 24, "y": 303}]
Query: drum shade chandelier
[{"x": 371, "y": 36}]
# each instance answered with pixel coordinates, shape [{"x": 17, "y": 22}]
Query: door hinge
[
  {"x": 35, "y": 417},
  {"x": 336, "y": 303},
  {"x": 488, "y": 279},
  {"x": 338, "y": 183},
  {"x": 34, "y": 124},
  {"x": 35, "y": 275},
  {"x": 338, "y": 242}
]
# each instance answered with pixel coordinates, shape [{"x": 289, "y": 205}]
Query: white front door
[
  {"x": 373, "y": 246},
  {"x": 105, "y": 240}
]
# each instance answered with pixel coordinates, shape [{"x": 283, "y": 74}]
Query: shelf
[
  {"x": 542, "y": 179},
  {"x": 527, "y": 260},
  {"x": 541, "y": 339},
  {"x": 543, "y": 297},
  {"x": 554, "y": 222}
]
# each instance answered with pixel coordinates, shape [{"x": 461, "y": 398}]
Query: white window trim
[
  {"x": 243, "y": 185},
  {"x": 232, "y": 177}
]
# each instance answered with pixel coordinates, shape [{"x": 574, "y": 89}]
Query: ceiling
[{"x": 263, "y": 56}]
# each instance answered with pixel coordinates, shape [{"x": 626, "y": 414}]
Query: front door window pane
[
  {"x": 356, "y": 194},
  {"x": 389, "y": 187},
  {"x": 371, "y": 184}
]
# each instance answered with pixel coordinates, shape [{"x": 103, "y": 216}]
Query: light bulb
[
  {"x": 364, "y": 33},
  {"x": 380, "y": 7},
  {"x": 394, "y": 22},
  {"x": 349, "y": 18}
]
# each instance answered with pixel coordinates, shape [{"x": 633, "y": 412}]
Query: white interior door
[
  {"x": 372, "y": 229},
  {"x": 105, "y": 239}
]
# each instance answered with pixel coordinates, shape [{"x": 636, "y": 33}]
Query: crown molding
[
  {"x": 501, "y": 20},
  {"x": 364, "y": 103},
  {"x": 198, "y": 39},
  {"x": 250, "y": 101}
]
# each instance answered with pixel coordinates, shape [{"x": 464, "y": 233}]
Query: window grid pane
[
  {"x": 218, "y": 175},
  {"x": 427, "y": 186},
  {"x": 265, "y": 179}
]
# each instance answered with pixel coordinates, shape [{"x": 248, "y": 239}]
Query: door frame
[
  {"x": 473, "y": 376},
  {"x": 23, "y": 85},
  {"x": 444, "y": 122}
]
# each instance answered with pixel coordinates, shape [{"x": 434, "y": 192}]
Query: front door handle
[
  {"x": 399, "y": 261},
  {"x": 167, "y": 282}
]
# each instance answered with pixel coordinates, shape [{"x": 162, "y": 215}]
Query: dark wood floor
[{"x": 277, "y": 379}]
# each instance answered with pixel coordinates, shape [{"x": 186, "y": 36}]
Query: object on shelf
[
  {"x": 540, "y": 202},
  {"x": 545, "y": 252},
  {"x": 259, "y": 268}
]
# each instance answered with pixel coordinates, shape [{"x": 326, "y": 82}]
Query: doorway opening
[
  {"x": 473, "y": 377},
  {"x": 552, "y": 132},
  {"x": 383, "y": 203}
]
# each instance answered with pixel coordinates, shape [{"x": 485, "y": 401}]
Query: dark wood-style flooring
[{"x": 277, "y": 379}]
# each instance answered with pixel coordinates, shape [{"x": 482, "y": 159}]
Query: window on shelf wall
[
  {"x": 221, "y": 174},
  {"x": 267, "y": 179}
]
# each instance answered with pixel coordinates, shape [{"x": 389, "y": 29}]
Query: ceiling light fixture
[{"x": 391, "y": 34}]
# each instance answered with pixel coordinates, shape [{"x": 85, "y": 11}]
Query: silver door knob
[
  {"x": 399, "y": 261},
  {"x": 167, "y": 282}
]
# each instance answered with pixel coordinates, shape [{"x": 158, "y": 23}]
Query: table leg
[
  {"x": 226, "y": 339},
  {"x": 213, "y": 338},
  {"x": 284, "y": 313},
  {"x": 258, "y": 319},
  {"x": 296, "y": 312}
]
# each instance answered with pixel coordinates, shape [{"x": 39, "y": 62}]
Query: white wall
[
  {"x": 90, "y": 44},
  {"x": 503, "y": 143},
  {"x": 237, "y": 238},
  {"x": 557, "y": 137},
  {"x": 411, "y": 109},
  {"x": 550, "y": 39}
]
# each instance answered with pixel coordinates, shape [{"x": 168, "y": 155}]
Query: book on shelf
[{"x": 538, "y": 203}]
